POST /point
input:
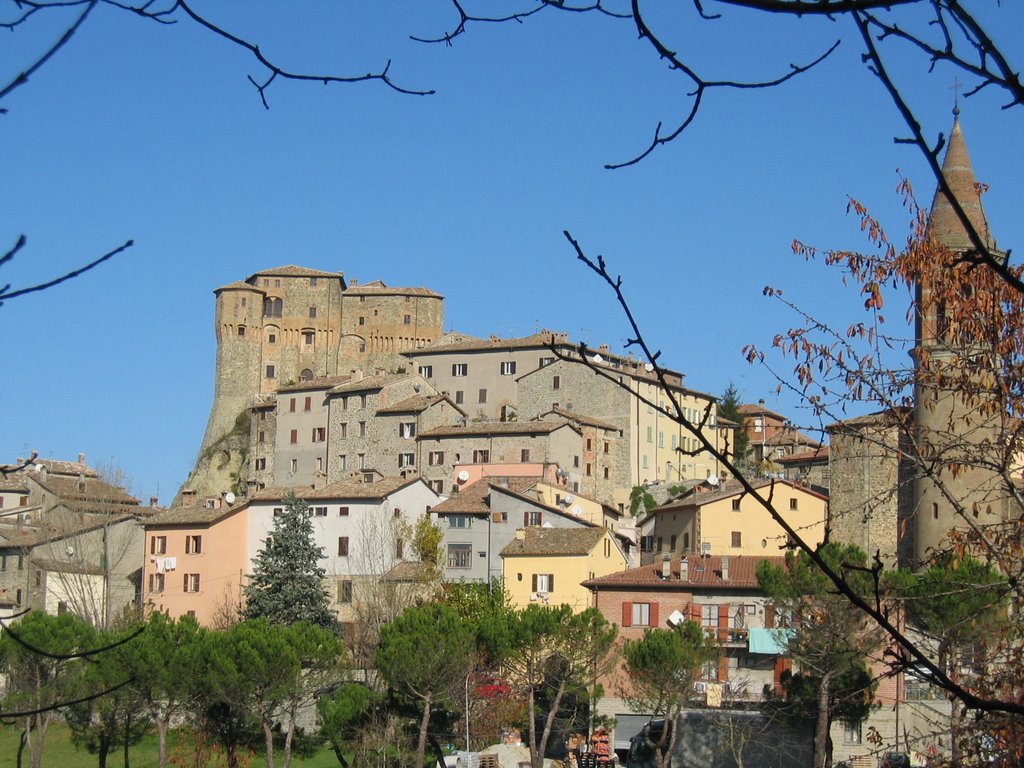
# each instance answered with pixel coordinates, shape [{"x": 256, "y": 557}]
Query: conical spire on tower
[{"x": 944, "y": 226}]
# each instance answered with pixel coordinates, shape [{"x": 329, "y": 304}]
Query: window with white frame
[
  {"x": 193, "y": 545},
  {"x": 641, "y": 615},
  {"x": 407, "y": 429},
  {"x": 191, "y": 582},
  {"x": 460, "y": 555},
  {"x": 156, "y": 582},
  {"x": 508, "y": 368},
  {"x": 543, "y": 583},
  {"x": 406, "y": 460},
  {"x": 460, "y": 521},
  {"x": 427, "y": 371},
  {"x": 435, "y": 458},
  {"x": 460, "y": 369}
]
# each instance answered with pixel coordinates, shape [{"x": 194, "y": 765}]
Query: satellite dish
[
  {"x": 229, "y": 497},
  {"x": 648, "y": 367},
  {"x": 676, "y": 618},
  {"x": 416, "y": 387},
  {"x": 712, "y": 480},
  {"x": 569, "y": 498},
  {"x": 463, "y": 476},
  {"x": 69, "y": 550},
  {"x": 597, "y": 359},
  {"x": 576, "y": 511}
]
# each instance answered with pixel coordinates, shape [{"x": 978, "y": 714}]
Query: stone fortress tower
[{"x": 289, "y": 324}]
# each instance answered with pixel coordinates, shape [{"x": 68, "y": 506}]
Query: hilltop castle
[{"x": 290, "y": 324}]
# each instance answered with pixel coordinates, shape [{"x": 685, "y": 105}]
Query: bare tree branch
[{"x": 6, "y": 293}]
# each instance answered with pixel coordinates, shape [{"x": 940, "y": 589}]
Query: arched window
[
  {"x": 306, "y": 374},
  {"x": 272, "y": 307}
]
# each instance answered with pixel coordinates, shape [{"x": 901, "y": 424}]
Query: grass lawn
[{"x": 60, "y": 753}]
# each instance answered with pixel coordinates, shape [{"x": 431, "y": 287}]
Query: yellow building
[
  {"x": 727, "y": 521},
  {"x": 549, "y": 565}
]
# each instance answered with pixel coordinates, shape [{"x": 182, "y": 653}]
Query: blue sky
[{"x": 152, "y": 132}]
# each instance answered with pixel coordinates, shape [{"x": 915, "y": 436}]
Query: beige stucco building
[
  {"x": 550, "y": 565},
  {"x": 724, "y": 520}
]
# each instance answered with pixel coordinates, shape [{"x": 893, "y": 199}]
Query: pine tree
[
  {"x": 729, "y": 408},
  {"x": 286, "y": 584}
]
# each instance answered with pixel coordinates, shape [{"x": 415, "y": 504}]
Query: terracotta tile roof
[
  {"x": 193, "y": 515},
  {"x": 321, "y": 382},
  {"x": 368, "y": 383},
  {"x": 411, "y": 573},
  {"x": 791, "y": 437},
  {"x": 64, "y": 566},
  {"x": 267, "y": 405},
  {"x": 819, "y": 454},
  {"x": 452, "y": 337},
  {"x": 378, "y": 288},
  {"x": 541, "y": 340},
  {"x": 886, "y": 418},
  {"x": 727, "y": 489},
  {"x": 96, "y": 493},
  {"x": 553, "y": 541},
  {"x": 33, "y": 536},
  {"x": 755, "y": 409},
  {"x": 473, "y": 498},
  {"x": 293, "y": 271},
  {"x": 588, "y": 421},
  {"x": 415, "y": 404},
  {"x": 704, "y": 572},
  {"x": 12, "y": 483},
  {"x": 495, "y": 428},
  {"x": 54, "y": 467},
  {"x": 238, "y": 285},
  {"x": 347, "y": 489}
]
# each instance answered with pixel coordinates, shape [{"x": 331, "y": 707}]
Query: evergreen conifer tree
[
  {"x": 286, "y": 584},
  {"x": 729, "y": 408}
]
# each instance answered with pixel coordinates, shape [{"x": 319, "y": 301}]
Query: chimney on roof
[
  {"x": 761, "y": 402},
  {"x": 666, "y": 567},
  {"x": 684, "y": 569},
  {"x": 153, "y": 501},
  {"x": 603, "y": 349},
  {"x": 81, "y": 458},
  {"x": 520, "y": 534},
  {"x": 352, "y": 281},
  {"x": 725, "y": 568}
]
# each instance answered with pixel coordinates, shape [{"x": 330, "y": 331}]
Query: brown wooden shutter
[
  {"x": 723, "y": 622},
  {"x": 654, "y": 614},
  {"x": 540, "y": 518},
  {"x": 769, "y": 616},
  {"x": 695, "y": 612},
  {"x": 526, "y": 522},
  {"x": 533, "y": 587},
  {"x": 627, "y": 613},
  {"x": 551, "y": 582}
]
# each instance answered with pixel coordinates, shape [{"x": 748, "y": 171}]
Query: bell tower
[{"x": 957, "y": 416}]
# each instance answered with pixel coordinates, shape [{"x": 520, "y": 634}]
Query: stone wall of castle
[{"x": 290, "y": 324}]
